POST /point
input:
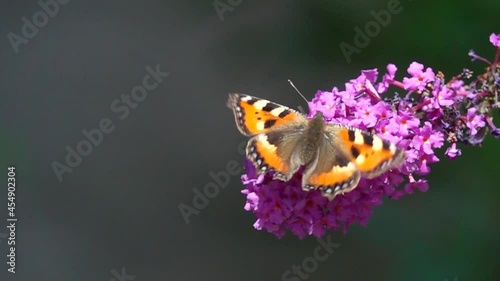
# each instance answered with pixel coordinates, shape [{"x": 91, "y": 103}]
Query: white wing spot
[
  {"x": 377, "y": 143},
  {"x": 260, "y": 125},
  {"x": 392, "y": 148},
  {"x": 360, "y": 160},
  {"x": 277, "y": 111},
  {"x": 260, "y": 104},
  {"x": 358, "y": 138}
]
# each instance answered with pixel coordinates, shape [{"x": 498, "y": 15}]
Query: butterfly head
[{"x": 319, "y": 115}]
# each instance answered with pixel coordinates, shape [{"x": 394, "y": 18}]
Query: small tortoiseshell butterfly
[{"x": 334, "y": 156}]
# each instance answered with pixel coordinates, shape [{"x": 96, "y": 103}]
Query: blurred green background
[
  {"x": 120, "y": 207},
  {"x": 451, "y": 231}
]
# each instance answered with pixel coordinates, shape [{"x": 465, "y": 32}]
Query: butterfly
[{"x": 335, "y": 157}]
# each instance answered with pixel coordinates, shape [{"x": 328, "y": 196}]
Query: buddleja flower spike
[{"x": 328, "y": 170}]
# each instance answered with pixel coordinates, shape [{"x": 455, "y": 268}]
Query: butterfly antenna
[{"x": 291, "y": 83}]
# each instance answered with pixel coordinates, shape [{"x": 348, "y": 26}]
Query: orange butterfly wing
[
  {"x": 371, "y": 154},
  {"x": 254, "y": 115},
  {"x": 345, "y": 157}
]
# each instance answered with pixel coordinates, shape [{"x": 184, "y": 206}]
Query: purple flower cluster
[{"x": 430, "y": 113}]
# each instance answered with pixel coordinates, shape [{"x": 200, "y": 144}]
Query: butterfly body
[
  {"x": 335, "y": 157},
  {"x": 311, "y": 138}
]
